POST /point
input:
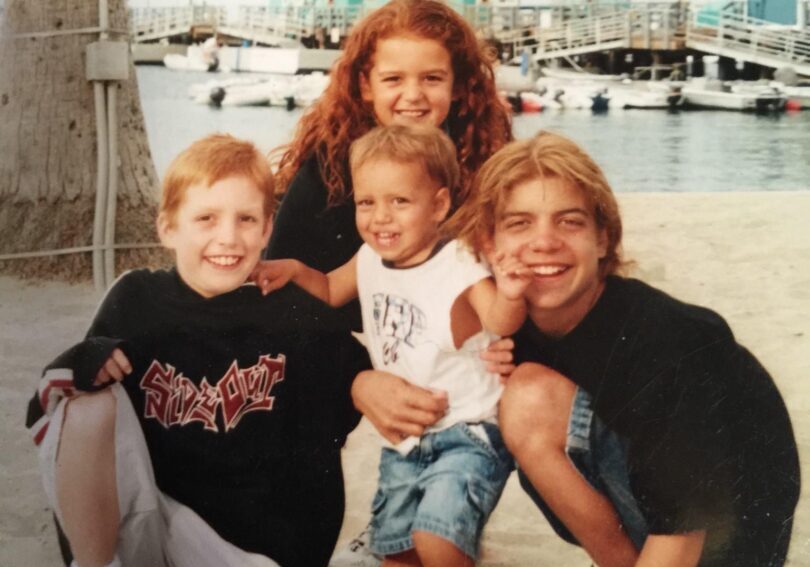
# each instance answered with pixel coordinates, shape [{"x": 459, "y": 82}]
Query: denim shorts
[
  {"x": 447, "y": 485},
  {"x": 600, "y": 455}
]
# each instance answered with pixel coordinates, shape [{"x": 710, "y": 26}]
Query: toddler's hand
[
  {"x": 512, "y": 277},
  {"x": 115, "y": 368},
  {"x": 271, "y": 275},
  {"x": 498, "y": 357}
]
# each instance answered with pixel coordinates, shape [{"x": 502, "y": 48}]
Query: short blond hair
[
  {"x": 545, "y": 156},
  {"x": 426, "y": 146},
  {"x": 211, "y": 159}
]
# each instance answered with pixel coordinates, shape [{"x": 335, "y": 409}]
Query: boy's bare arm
[
  {"x": 336, "y": 288},
  {"x": 679, "y": 550},
  {"x": 343, "y": 283},
  {"x": 271, "y": 275},
  {"x": 498, "y": 313},
  {"x": 500, "y": 305}
]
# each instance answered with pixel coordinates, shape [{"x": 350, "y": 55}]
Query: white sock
[{"x": 114, "y": 563}]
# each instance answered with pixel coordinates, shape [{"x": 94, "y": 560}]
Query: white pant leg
[
  {"x": 191, "y": 542},
  {"x": 155, "y": 530}
]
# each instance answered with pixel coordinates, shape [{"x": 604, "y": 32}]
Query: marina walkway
[
  {"x": 667, "y": 27},
  {"x": 543, "y": 33}
]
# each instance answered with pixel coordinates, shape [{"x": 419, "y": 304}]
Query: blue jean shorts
[
  {"x": 447, "y": 485},
  {"x": 600, "y": 455}
]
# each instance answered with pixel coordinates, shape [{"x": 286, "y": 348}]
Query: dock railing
[
  {"x": 296, "y": 22},
  {"x": 148, "y": 24},
  {"x": 745, "y": 38},
  {"x": 653, "y": 25}
]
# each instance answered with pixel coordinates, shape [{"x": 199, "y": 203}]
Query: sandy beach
[{"x": 746, "y": 255}]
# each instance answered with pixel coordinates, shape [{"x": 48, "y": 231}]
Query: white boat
[
  {"x": 566, "y": 74},
  {"x": 280, "y": 90},
  {"x": 254, "y": 59},
  {"x": 703, "y": 93},
  {"x": 799, "y": 95},
  {"x": 195, "y": 59},
  {"x": 652, "y": 94},
  {"x": 178, "y": 62},
  {"x": 559, "y": 94},
  {"x": 551, "y": 99}
]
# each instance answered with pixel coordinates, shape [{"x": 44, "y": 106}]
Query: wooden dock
[{"x": 544, "y": 33}]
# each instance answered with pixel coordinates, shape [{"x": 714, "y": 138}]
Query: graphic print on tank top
[{"x": 399, "y": 321}]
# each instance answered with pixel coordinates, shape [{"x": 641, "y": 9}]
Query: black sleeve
[
  {"x": 82, "y": 362},
  {"x": 106, "y": 333},
  {"x": 85, "y": 359}
]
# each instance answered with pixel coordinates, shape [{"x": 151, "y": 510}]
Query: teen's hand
[
  {"x": 396, "y": 408},
  {"x": 270, "y": 275},
  {"x": 512, "y": 276},
  {"x": 115, "y": 368},
  {"x": 498, "y": 357}
]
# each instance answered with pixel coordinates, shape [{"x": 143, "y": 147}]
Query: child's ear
[
  {"x": 441, "y": 202},
  {"x": 165, "y": 231}
]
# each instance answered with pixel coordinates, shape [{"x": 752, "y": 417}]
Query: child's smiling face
[
  {"x": 398, "y": 210},
  {"x": 217, "y": 234},
  {"x": 410, "y": 81}
]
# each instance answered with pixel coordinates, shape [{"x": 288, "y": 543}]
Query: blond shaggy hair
[
  {"x": 545, "y": 156},
  {"x": 426, "y": 146}
]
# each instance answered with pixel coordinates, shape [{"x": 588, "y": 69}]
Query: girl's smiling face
[{"x": 410, "y": 81}]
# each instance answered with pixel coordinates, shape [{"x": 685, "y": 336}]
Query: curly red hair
[{"x": 477, "y": 123}]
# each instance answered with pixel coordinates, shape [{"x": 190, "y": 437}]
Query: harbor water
[{"x": 640, "y": 150}]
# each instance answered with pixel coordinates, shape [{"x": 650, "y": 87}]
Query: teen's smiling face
[
  {"x": 410, "y": 81},
  {"x": 398, "y": 209},
  {"x": 550, "y": 226},
  {"x": 217, "y": 234}
]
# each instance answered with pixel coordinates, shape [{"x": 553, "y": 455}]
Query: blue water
[{"x": 640, "y": 150}]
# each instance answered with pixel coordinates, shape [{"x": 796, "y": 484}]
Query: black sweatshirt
[{"x": 241, "y": 402}]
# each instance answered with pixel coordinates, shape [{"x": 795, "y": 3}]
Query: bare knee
[
  {"x": 435, "y": 551},
  {"x": 534, "y": 409},
  {"x": 89, "y": 419}
]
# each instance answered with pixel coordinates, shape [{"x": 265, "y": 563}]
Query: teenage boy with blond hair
[
  {"x": 641, "y": 428},
  {"x": 193, "y": 442}
]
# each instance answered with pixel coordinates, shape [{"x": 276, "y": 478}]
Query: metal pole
[
  {"x": 112, "y": 182},
  {"x": 101, "y": 187},
  {"x": 102, "y": 164}
]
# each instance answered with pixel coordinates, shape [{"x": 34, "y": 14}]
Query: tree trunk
[{"x": 48, "y": 146}]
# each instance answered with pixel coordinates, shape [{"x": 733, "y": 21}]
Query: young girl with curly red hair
[{"x": 408, "y": 62}]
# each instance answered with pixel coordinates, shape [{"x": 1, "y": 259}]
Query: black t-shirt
[
  {"x": 710, "y": 445},
  {"x": 306, "y": 228},
  {"x": 241, "y": 404}
]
